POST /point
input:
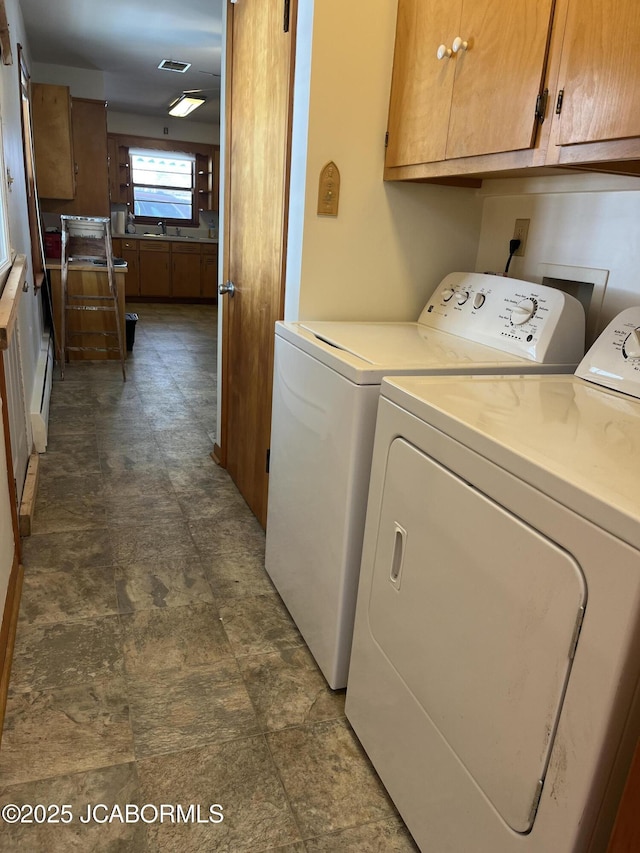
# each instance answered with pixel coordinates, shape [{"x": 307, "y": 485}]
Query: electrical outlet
[{"x": 520, "y": 232}]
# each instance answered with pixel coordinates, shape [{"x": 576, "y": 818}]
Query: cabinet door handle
[
  {"x": 443, "y": 52},
  {"x": 459, "y": 44}
]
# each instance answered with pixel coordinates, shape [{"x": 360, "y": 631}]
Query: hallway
[{"x": 154, "y": 661}]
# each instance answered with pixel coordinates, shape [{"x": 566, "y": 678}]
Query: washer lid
[
  {"x": 574, "y": 441},
  {"x": 365, "y": 352}
]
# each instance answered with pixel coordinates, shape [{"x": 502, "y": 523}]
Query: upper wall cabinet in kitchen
[
  {"x": 466, "y": 78},
  {"x": 53, "y": 140},
  {"x": 597, "y": 102}
]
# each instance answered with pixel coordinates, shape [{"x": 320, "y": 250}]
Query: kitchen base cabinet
[
  {"x": 128, "y": 251},
  {"x": 209, "y": 271},
  {"x": 86, "y": 280},
  {"x": 155, "y": 269},
  {"x": 185, "y": 270}
]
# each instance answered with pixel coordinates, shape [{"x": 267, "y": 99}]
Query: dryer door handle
[{"x": 397, "y": 559}]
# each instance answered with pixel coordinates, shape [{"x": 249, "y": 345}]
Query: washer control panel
[
  {"x": 520, "y": 317},
  {"x": 614, "y": 359}
]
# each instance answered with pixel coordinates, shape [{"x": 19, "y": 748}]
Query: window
[{"x": 163, "y": 186}]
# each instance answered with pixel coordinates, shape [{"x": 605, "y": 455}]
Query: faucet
[{"x": 163, "y": 226}]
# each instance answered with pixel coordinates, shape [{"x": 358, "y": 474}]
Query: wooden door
[
  {"x": 422, "y": 84},
  {"x": 260, "y": 59},
  {"x": 185, "y": 272},
  {"x": 155, "y": 274},
  {"x": 599, "y": 72},
  {"x": 129, "y": 252},
  {"x": 209, "y": 271},
  {"x": 499, "y": 76}
]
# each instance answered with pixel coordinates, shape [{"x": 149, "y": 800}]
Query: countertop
[{"x": 168, "y": 238}]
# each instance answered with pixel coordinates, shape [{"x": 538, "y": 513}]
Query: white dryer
[
  {"x": 496, "y": 656},
  {"x": 325, "y": 395}
]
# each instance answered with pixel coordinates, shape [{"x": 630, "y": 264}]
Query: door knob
[
  {"x": 443, "y": 51},
  {"x": 459, "y": 44},
  {"x": 227, "y": 287}
]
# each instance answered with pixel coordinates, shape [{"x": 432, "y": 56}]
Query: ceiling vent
[{"x": 174, "y": 65}]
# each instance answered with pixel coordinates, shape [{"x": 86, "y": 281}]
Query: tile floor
[{"x": 154, "y": 661}]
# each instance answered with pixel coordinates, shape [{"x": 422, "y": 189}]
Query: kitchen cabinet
[
  {"x": 185, "y": 270},
  {"x": 155, "y": 268},
  {"x": 87, "y": 280},
  {"x": 466, "y": 78},
  {"x": 53, "y": 141},
  {"x": 128, "y": 250},
  {"x": 483, "y": 110},
  {"x": 89, "y": 133},
  {"x": 596, "y": 110},
  {"x": 209, "y": 271}
]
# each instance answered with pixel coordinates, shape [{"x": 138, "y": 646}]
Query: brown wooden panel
[
  {"x": 186, "y": 248},
  {"x": 155, "y": 271},
  {"x": 185, "y": 274},
  {"x": 132, "y": 280},
  {"x": 89, "y": 122},
  {"x": 599, "y": 72},
  {"x": 88, "y": 282},
  {"x": 209, "y": 276},
  {"x": 209, "y": 248},
  {"x": 499, "y": 76},
  {"x": 625, "y": 837},
  {"x": 53, "y": 142},
  {"x": 260, "y": 60},
  {"x": 153, "y": 245},
  {"x": 422, "y": 84}
]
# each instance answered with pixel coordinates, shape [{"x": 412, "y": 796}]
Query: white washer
[
  {"x": 496, "y": 653},
  {"x": 325, "y": 395}
]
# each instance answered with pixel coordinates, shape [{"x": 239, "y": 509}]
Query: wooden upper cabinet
[
  {"x": 599, "y": 72},
  {"x": 499, "y": 76},
  {"x": 53, "y": 141},
  {"x": 422, "y": 84},
  {"x": 479, "y": 99}
]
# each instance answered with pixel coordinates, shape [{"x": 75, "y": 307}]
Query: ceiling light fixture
[{"x": 185, "y": 104}]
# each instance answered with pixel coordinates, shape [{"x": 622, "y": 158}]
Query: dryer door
[{"x": 478, "y": 613}]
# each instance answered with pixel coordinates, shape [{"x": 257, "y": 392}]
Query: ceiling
[{"x": 127, "y": 39}]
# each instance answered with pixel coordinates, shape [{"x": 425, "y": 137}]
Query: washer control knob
[
  {"x": 522, "y": 312},
  {"x": 632, "y": 344},
  {"x": 462, "y": 296},
  {"x": 446, "y": 295},
  {"x": 478, "y": 300}
]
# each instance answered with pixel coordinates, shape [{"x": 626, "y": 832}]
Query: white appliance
[
  {"x": 496, "y": 654},
  {"x": 325, "y": 395}
]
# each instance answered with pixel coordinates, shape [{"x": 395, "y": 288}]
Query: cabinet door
[
  {"x": 209, "y": 287},
  {"x": 132, "y": 279},
  {"x": 599, "y": 72},
  {"x": 89, "y": 125},
  {"x": 155, "y": 274},
  {"x": 185, "y": 274},
  {"x": 499, "y": 76},
  {"x": 52, "y": 139},
  {"x": 422, "y": 84}
]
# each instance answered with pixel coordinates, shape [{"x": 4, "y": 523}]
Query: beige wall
[
  {"x": 587, "y": 221},
  {"x": 391, "y": 244}
]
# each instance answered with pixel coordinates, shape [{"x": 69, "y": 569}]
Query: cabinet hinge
[
  {"x": 386, "y": 139},
  {"x": 576, "y": 633},
  {"x": 541, "y": 106},
  {"x": 559, "y": 102},
  {"x": 287, "y": 11},
  {"x": 536, "y": 800},
  {"x": 268, "y": 460}
]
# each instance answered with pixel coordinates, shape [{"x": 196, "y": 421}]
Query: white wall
[
  {"x": 390, "y": 244},
  {"x": 180, "y": 129},
  {"x": 579, "y": 220},
  {"x": 30, "y": 314},
  {"x": 82, "y": 82}
]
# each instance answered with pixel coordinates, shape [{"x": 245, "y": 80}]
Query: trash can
[{"x": 130, "y": 331}]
